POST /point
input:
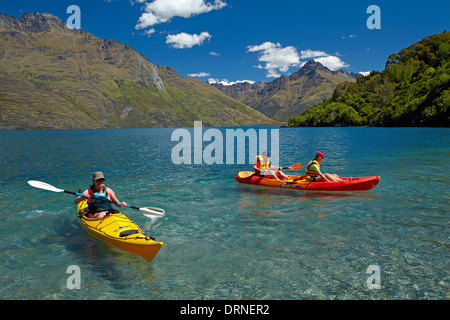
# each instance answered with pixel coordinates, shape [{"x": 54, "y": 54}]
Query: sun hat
[{"x": 98, "y": 175}]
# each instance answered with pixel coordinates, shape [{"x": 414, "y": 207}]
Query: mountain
[
  {"x": 239, "y": 90},
  {"x": 54, "y": 77},
  {"x": 412, "y": 90},
  {"x": 286, "y": 97}
]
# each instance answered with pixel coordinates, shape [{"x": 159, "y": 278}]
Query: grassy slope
[{"x": 71, "y": 79}]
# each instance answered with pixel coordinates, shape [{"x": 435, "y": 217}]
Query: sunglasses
[{"x": 100, "y": 180}]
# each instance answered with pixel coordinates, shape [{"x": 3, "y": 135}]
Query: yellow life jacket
[
  {"x": 312, "y": 174},
  {"x": 262, "y": 164}
]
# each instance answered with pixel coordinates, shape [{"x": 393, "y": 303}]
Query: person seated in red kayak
[
  {"x": 313, "y": 171},
  {"x": 99, "y": 207},
  {"x": 262, "y": 167}
]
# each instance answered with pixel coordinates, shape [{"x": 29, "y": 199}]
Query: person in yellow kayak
[
  {"x": 314, "y": 173},
  {"x": 99, "y": 207},
  {"x": 263, "y": 167}
]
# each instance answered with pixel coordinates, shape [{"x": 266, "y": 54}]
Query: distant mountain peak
[
  {"x": 309, "y": 68},
  {"x": 239, "y": 89},
  {"x": 286, "y": 97},
  {"x": 314, "y": 64},
  {"x": 32, "y": 22}
]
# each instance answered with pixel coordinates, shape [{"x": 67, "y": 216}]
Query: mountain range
[
  {"x": 286, "y": 97},
  {"x": 54, "y": 77}
]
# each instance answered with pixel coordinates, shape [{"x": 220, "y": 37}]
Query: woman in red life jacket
[{"x": 97, "y": 196}]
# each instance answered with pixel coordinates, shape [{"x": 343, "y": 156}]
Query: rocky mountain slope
[
  {"x": 54, "y": 77},
  {"x": 239, "y": 90},
  {"x": 286, "y": 97}
]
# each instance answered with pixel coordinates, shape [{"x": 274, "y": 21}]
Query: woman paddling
[
  {"x": 314, "y": 173},
  {"x": 97, "y": 196},
  {"x": 263, "y": 167}
]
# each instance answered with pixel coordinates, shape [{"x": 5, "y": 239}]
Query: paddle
[
  {"x": 246, "y": 174},
  {"x": 149, "y": 212},
  {"x": 295, "y": 166}
]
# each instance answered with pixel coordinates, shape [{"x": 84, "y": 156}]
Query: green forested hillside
[{"x": 412, "y": 90}]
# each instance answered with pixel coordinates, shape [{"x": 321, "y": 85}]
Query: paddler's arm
[
  {"x": 256, "y": 167},
  {"x": 114, "y": 198},
  {"x": 323, "y": 176},
  {"x": 124, "y": 204},
  {"x": 81, "y": 198}
]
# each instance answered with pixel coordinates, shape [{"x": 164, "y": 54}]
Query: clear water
[{"x": 223, "y": 240}]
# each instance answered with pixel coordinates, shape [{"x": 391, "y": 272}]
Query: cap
[
  {"x": 266, "y": 153},
  {"x": 98, "y": 175},
  {"x": 320, "y": 154}
]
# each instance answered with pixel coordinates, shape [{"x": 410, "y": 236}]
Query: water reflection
[{"x": 276, "y": 204}]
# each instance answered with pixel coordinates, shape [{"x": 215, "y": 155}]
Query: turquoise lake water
[{"x": 223, "y": 240}]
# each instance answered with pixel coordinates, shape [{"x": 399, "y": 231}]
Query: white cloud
[
  {"x": 149, "y": 31},
  {"x": 265, "y": 46},
  {"x": 212, "y": 53},
  {"x": 184, "y": 40},
  {"x": 199, "y": 74},
  {"x": 225, "y": 82},
  {"x": 364, "y": 73},
  {"x": 332, "y": 62},
  {"x": 276, "y": 58},
  {"x": 308, "y": 54},
  {"x": 160, "y": 11}
]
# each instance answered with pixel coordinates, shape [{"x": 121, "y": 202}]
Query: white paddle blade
[
  {"x": 151, "y": 212},
  {"x": 43, "y": 185}
]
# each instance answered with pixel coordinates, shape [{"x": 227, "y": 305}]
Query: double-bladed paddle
[
  {"x": 149, "y": 212},
  {"x": 246, "y": 174}
]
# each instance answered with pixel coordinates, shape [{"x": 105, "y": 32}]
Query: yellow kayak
[{"x": 119, "y": 231}]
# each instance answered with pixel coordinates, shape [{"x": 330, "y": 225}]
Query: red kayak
[{"x": 300, "y": 183}]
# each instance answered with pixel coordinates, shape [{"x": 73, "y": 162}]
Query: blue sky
[{"x": 255, "y": 40}]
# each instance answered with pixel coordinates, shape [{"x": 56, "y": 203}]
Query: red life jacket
[{"x": 96, "y": 203}]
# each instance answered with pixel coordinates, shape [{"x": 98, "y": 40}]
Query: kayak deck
[
  {"x": 300, "y": 183},
  {"x": 119, "y": 231}
]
